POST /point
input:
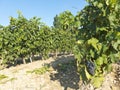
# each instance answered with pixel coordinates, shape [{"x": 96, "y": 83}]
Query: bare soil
[{"x": 61, "y": 76}]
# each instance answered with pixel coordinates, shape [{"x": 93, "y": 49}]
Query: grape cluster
[{"x": 90, "y": 67}]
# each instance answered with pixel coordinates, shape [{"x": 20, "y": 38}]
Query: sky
[{"x": 44, "y": 9}]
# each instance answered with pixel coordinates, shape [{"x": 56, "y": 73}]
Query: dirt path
[{"x": 61, "y": 76}]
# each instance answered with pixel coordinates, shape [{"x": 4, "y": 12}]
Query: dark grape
[{"x": 90, "y": 67}]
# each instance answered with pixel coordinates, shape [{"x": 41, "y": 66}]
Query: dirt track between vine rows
[{"x": 56, "y": 78}]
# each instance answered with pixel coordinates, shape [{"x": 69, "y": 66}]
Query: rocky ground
[{"x": 61, "y": 75}]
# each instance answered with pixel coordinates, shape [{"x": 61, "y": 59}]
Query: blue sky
[{"x": 45, "y": 9}]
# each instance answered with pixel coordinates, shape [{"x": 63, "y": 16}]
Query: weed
[
  {"x": 5, "y": 81},
  {"x": 41, "y": 70},
  {"x": 3, "y": 77}
]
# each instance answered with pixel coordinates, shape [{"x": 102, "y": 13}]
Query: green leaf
[
  {"x": 87, "y": 74},
  {"x": 112, "y": 3},
  {"x": 105, "y": 59},
  {"x": 93, "y": 42},
  {"x": 99, "y": 46},
  {"x": 92, "y": 53},
  {"x": 105, "y": 48},
  {"x": 107, "y": 2},
  {"x": 97, "y": 81},
  {"x": 80, "y": 41},
  {"x": 116, "y": 45},
  {"x": 108, "y": 67},
  {"x": 100, "y": 5},
  {"x": 100, "y": 61},
  {"x": 112, "y": 57},
  {"x": 95, "y": 3}
]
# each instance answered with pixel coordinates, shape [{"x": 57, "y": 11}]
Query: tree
[{"x": 65, "y": 21}]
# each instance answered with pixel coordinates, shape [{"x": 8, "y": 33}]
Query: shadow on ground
[{"x": 66, "y": 72}]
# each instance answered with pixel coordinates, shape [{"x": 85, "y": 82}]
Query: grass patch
[
  {"x": 5, "y": 81},
  {"x": 3, "y": 77},
  {"x": 12, "y": 79},
  {"x": 41, "y": 70}
]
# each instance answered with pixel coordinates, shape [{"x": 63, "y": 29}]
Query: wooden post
[
  {"x": 24, "y": 61},
  {"x": 56, "y": 52},
  {"x": 31, "y": 59}
]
